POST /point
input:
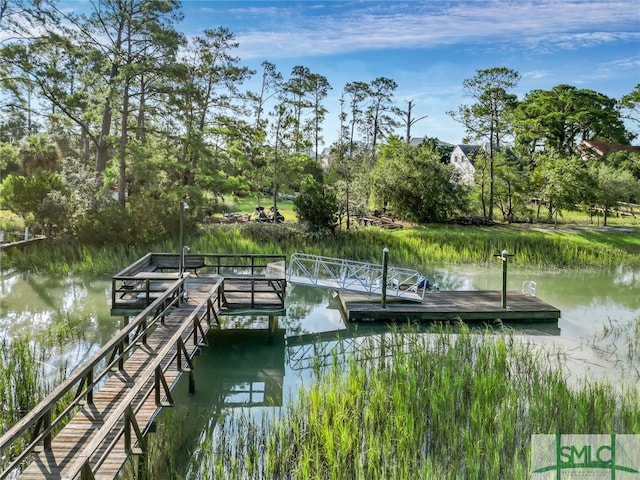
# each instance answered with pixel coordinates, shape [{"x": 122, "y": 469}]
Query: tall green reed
[
  {"x": 428, "y": 245},
  {"x": 419, "y": 406},
  {"x": 26, "y": 377}
]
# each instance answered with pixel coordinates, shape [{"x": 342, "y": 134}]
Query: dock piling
[
  {"x": 385, "y": 267},
  {"x": 504, "y": 256}
]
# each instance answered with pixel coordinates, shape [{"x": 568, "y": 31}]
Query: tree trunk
[
  {"x": 124, "y": 133},
  {"x": 141, "y": 134},
  {"x": 102, "y": 147}
]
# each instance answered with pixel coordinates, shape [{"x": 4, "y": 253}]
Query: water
[
  {"x": 243, "y": 370},
  {"x": 67, "y": 306}
]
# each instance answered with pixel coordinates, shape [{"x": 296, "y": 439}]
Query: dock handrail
[
  {"x": 529, "y": 288},
  {"x": 85, "y": 379},
  {"x": 154, "y": 369},
  {"x": 132, "y": 290},
  {"x": 352, "y": 275},
  {"x": 236, "y": 263}
]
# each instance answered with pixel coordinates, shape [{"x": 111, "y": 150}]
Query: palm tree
[{"x": 37, "y": 154}]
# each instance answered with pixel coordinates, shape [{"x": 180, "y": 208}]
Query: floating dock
[{"x": 450, "y": 305}]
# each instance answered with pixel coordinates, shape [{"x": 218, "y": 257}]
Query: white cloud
[
  {"x": 627, "y": 63},
  {"x": 281, "y": 30},
  {"x": 537, "y": 74}
]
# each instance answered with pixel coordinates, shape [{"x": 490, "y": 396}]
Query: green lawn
[{"x": 248, "y": 204}]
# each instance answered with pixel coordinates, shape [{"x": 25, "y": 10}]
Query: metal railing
[
  {"x": 529, "y": 288},
  {"x": 349, "y": 275}
]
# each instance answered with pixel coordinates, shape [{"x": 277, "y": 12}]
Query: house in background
[
  {"x": 415, "y": 141},
  {"x": 463, "y": 159},
  {"x": 598, "y": 149}
]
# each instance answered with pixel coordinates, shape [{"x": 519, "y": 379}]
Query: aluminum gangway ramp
[{"x": 352, "y": 276}]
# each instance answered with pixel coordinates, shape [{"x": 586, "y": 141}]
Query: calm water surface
[{"x": 244, "y": 371}]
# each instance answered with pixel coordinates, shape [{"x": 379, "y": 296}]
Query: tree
[
  {"x": 270, "y": 85},
  {"x": 613, "y": 185},
  {"x": 8, "y": 159},
  {"x": 84, "y": 64},
  {"x": 297, "y": 91},
  {"x": 630, "y": 105},
  {"x": 625, "y": 160},
  {"x": 381, "y": 92},
  {"x": 407, "y": 118},
  {"x": 282, "y": 119},
  {"x": 412, "y": 182},
  {"x": 561, "y": 183},
  {"x": 203, "y": 98},
  {"x": 128, "y": 25},
  {"x": 512, "y": 186},
  {"x": 37, "y": 154},
  {"x": 560, "y": 119},
  {"x": 316, "y": 206},
  {"x": 305, "y": 91},
  {"x": 344, "y": 158},
  {"x": 318, "y": 93},
  {"x": 34, "y": 198},
  {"x": 354, "y": 94},
  {"x": 489, "y": 117}
]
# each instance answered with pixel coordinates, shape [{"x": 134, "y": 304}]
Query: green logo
[{"x": 615, "y": 457}]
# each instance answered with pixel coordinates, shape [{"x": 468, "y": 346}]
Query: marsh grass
[
  {"x": 163, "y": 460},
  {"x": 436, "y": 244},
  {"x": 620, "y": 341},
  {"x": 433, "y": 245},
  {"x": 427, "y": 407},
  {"x": 27, "y": 376}
]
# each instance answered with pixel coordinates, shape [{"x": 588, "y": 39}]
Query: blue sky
[{"x": 430, "y": 47}]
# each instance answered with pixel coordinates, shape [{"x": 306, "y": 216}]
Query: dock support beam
[{"x": 273, "y": 327}]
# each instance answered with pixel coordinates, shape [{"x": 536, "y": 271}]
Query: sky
[{"x": 430, "y": 47}]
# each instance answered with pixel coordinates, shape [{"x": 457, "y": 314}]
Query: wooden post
[
  {"x": 504, "y": 256},
  {"x": 273, "y": 326},
  {"x": 183, "y": 205},
  {"x": 125, "y": 322},
  {"x": 192, "y": 381},
  {"x": 385, "y": 267}
]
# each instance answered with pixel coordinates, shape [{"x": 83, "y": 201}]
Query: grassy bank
[
  {"x": 432, "y": 245},
  {"x": 432, "y": 407}
]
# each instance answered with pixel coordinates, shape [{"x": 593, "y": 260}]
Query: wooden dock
[
  {"x": 451, "y": 305},
  {"x": 249, "y": 282},
  {"x": 109, "y": 424},
  {"x": 92, "y": 423},
  {"x": 21, "y": 243}
]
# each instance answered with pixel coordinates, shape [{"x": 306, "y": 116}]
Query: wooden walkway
[
  {"x": 91, "y": 424},
  {"x": 108, "y": 425},
  {"x": 22, "y": 243},
  {"x": 451, "y": 305}
]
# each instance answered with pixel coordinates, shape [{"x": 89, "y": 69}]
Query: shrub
[{"x": 317, "y": 206}]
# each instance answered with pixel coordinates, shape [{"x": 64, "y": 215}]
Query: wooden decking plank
[
  {"x": 69, "y": 443},
  {"x": 451, "y": 305},
  {"x": 88, "y": 420}
]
